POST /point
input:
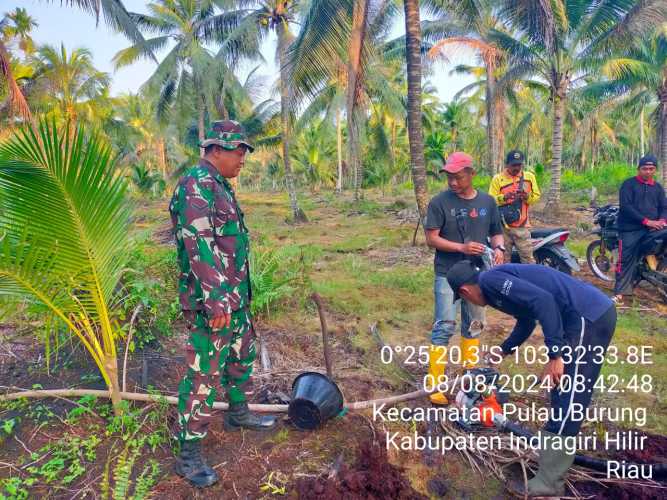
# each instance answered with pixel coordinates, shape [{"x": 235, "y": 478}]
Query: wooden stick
[
  {"x": 414, "y": 236},
  {"x": 264, "y": 359},
  {"x": 325, "y": 334},
  {"x": 362, "y": 405},
  {"x": 135, "y": 396},
  {"x": 127, "y": 344}
]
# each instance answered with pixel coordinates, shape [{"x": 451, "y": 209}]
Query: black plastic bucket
[{"x": 315, "y": 399}]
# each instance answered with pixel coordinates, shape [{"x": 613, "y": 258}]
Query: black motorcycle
[
  {"x": 602, "y": 254},
  {"x": 549, "y": 249}
]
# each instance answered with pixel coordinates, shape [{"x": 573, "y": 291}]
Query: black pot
[{"x": 315, "y": 399}]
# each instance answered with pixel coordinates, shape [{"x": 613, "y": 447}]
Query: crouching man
[{"x": 578, "y": 322}]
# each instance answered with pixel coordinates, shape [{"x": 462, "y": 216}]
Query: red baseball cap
[{"x": 456, "y": 162}]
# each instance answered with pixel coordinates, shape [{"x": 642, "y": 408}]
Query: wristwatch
[{"x": 499, "y": 247}]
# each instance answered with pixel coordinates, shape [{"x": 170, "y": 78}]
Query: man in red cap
[{"x": 458, "y": 224}]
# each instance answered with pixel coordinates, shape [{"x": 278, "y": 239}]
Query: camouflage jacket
[{"x": 212, "y": 243}]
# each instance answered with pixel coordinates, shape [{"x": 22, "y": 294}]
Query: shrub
[{"x": 274, "y": 274}]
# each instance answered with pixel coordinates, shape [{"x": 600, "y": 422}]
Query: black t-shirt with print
[{"x": 479, "y": 220}]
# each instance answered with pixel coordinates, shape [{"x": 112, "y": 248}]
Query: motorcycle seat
[
  {"x": 543, "y": 232},
  {"x": 652, "y": 242}
]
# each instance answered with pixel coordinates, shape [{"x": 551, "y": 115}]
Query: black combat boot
[
  {"x": 239, "y": 416},
  {"x": 191, "y": 465}
]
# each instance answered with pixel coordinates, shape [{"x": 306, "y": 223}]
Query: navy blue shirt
[
  {"x": 533, "y": 293},
  {"x": 639, "y": 200}
]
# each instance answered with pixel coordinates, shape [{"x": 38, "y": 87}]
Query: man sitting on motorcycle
[
  {"x": 514, "y": 190},
  {"x": 643, "y": 208}
]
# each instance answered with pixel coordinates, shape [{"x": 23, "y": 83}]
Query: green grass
[{"x": 578, "y": 247}]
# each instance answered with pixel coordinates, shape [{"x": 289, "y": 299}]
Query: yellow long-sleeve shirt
[{"x": 502, "y": 183}]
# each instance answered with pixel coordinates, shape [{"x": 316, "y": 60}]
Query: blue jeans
[{"x": 444, "y": 324}]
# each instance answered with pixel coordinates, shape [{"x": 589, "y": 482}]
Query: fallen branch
[
  {"x": 362, "y": 405},
  {"x": 264, "y": 358},
  {"x": 325, "y": 334},
  {"x": 135, "y": 396}
]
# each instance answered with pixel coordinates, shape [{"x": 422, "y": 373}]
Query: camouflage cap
[{"x": 227, "y": 134}]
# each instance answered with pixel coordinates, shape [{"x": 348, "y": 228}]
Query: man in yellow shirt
[{"x": 514, "y": 189}]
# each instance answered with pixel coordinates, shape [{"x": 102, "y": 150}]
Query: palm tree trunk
[
  {"x": 392, "y": 147},
  {"x": 553, "y": 199},
  {"x": 594, "y": 148},
  {"x": 663, "y": 134},
  {"x": 339, "y": 150},
  {"x": 223, "y": 112},
  {"x": 415, "y": 134},
  {"x": 162, "y": 157},
  {"x": 201, "y": 131},
  {"x": 297, "y": 213},
  {"x": 15, "y": 100},
  {"x": 359, "y": 18},
  {"x": 642, "y": 139},
  {"x": 499, "y": 116},
  {"x": 111, "y": 366},
  {"x": 491, "y": 122}
]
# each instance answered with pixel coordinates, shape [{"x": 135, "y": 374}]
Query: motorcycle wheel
[
  {"x": 553, "y": 260},
  {"x": 603, "y": 266}
]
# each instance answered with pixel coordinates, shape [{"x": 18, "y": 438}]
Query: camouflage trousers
[
  {"x": 520, "y": 238},
  {"x": 224, "y": 356}
]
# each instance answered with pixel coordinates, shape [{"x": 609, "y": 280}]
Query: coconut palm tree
[
  {"x": 64, "y": 220},
  {"x": 563, "y": 43},
  {"x": 336, "y": 32},
  {"x": 467, "y": 24},
  {"x": 15, "y": 27},
  {"x": 641, "y": 70},
  {"x": 136, "y": 129},
  {"x": 320, "y": 63},
  {"x": 68, "y": 82},
  {"x": 275, "y": 16},
  {"x": 189, "y": 76},
  {"x": 114, "y": 14},
  {"x": 341, "y": 41},
  {"x": 413, "y": 45},
  {"x": 313, "y": 153},
  {"x": 330, "y": 103}
]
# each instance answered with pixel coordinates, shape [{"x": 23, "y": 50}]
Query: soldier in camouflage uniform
[{"x": 214, "y": 287}]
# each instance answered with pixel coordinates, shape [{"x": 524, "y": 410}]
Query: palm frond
[
  {"x": 145, "y": 49},
  {"x": 65, "y": 222},
  {"x": 620, "y": 27},
  {"x": 321, "y": 46},
  {"x": 115, "y": 15}
]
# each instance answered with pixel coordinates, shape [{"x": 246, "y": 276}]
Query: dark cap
[
  {"x": 462, "y": 273},
  {"x": 514, "y": 157},
  {"x": 227, "y": 134},
  {"x": 456, "y": 162},
  {"x": 648, "y": 160}
]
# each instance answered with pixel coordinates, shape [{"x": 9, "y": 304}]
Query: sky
[{"x": 75, "y": 28}]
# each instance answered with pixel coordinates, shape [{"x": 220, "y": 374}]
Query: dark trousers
[
  {"x": 568, "y": 406},
  {"x": 628, "y": 258}
]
